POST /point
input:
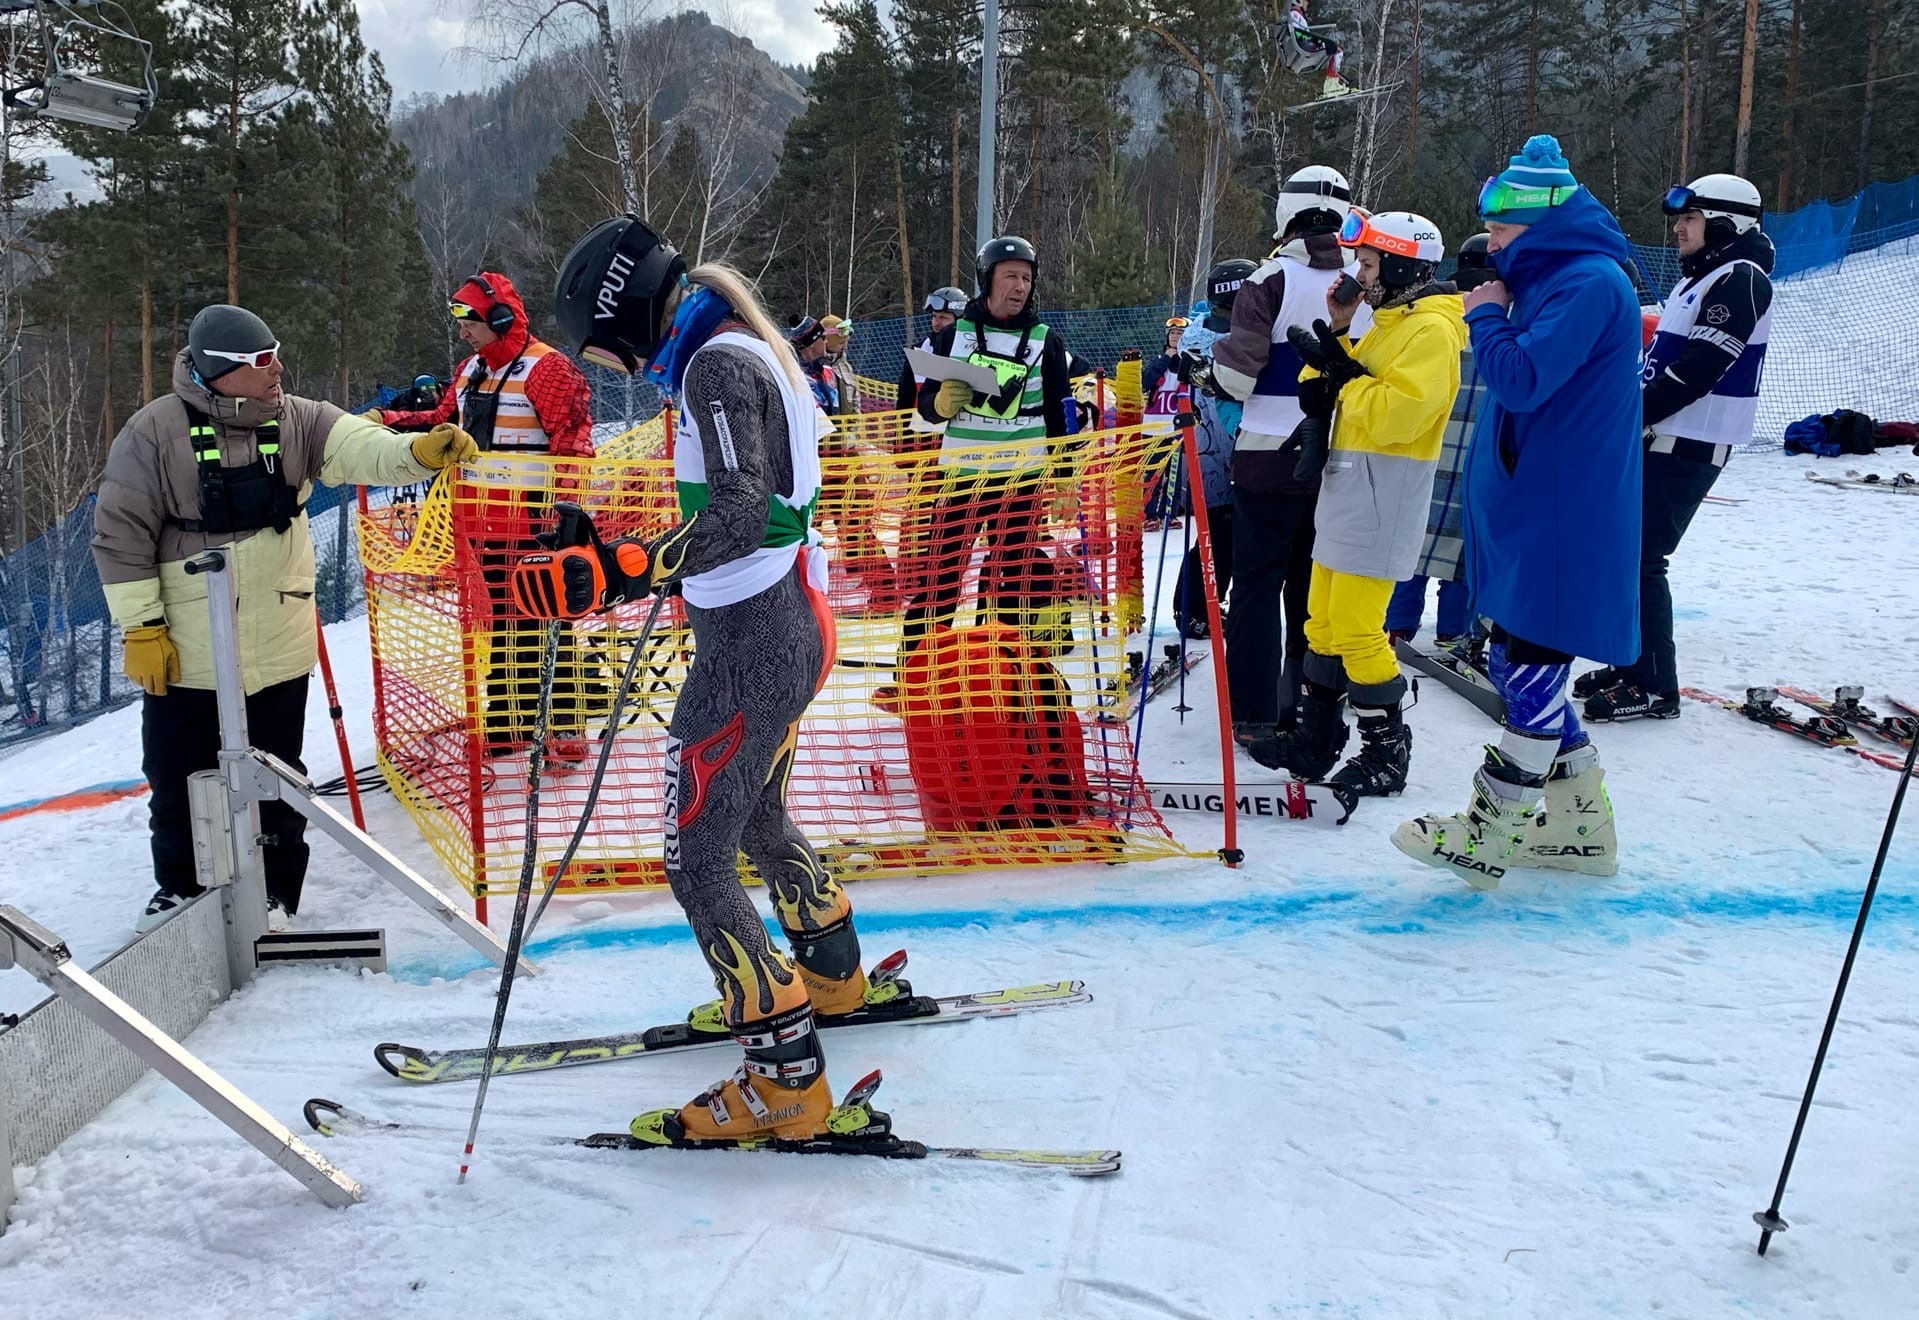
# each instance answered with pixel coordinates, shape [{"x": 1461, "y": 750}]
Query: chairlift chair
[
  {"x": 1304, "y": 61},
  {"x": 49, "y": 84}
]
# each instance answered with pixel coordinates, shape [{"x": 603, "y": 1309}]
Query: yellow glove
[
  {"x": 953, "y": 396},
  {"x": 443, "y": 446},
  {"x": 375, "y": 415},
  {"x": 152, "y": 660}
]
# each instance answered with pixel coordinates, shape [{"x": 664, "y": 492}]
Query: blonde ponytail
[{"x": 733, "y": 286}]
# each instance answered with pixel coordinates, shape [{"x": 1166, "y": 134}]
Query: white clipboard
[{"x": 934, "y": 366}]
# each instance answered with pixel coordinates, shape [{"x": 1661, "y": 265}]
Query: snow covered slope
[{"x": 1344, "y": 1084}]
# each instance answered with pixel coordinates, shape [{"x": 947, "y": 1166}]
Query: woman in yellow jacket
[{"x": 1384, "y": 409}]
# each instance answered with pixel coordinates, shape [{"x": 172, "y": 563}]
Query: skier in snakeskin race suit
[{"x": 749, "y": 568}]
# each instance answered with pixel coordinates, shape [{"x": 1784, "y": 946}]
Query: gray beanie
[{"x": 229, "y": 329}]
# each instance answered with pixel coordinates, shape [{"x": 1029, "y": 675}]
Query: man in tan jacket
[{"x": 228, "y": 460}]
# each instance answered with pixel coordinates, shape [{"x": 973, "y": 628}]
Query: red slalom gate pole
[
  {"x": 1203, "y": 541},
  {"x": 339, "y": 723}
]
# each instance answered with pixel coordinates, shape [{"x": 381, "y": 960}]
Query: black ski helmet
[
  {"x": 1222, "y": 286},
  {"x": 1009, "y": 247},
  {"x": 1475, "y": 264},
  {"x": 946, "y": 299},
  {"x": 613, "y": 292}
]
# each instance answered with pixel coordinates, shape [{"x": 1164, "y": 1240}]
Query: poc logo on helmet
[{"x": 606, "y": 301}]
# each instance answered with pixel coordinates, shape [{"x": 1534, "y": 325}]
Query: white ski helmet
[
  {"x": 1315, "y": 188},
  {"x": 1718, "y": 197},
  {"x": 1409, "y": 245}
]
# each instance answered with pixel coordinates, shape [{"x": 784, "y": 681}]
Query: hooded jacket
[
  {"x": 554, "y": 385},
  {"x": 1387, "y": 429},
  {"x": 1553, "y": 473},
  {"x": 152, "y": 485}
]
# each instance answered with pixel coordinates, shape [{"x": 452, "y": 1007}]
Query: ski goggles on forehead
[
  {"x": 459, "y": 311},
  {"x": 1496, "y": 197},
  {"x": 264, "y": 357},
  {"x": 1680, "y": 199},
  {"x": 1178, "y": 322},
  {"x": 1357, "y": 231}
]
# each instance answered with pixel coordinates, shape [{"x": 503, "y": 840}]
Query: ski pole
[
  {"x": 339, "y": 723},
  {"x": 1768, "y": 1219},
  {"x": 599, "y": 771},
  {"x": 536, "y": 760}
]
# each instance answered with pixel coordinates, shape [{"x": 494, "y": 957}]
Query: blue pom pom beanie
[{"x": 1533, "y": 182}]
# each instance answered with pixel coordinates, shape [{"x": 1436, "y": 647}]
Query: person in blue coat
[{"x": 1552, "y": 516}]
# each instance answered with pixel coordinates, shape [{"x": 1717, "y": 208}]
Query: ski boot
[
  {"x": 1576, "y": 831},
  {"x": 1478, "y": 842},
  {"x": 780, "y": 1089},
  {"x": 1594, "y": 681},
  {"x": 883, "y": 995},
  {"x": 1629, "y": 701},
  {"x": 1386, "y": 748},
  {"x": 1334, "y": 88},
  {"x": 1312, "y": 747}
]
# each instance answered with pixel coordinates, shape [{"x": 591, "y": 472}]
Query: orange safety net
[{"x": 976, "y": 715}]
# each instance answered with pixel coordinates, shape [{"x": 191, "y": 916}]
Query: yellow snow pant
[{"x": 1346, "y": 617}]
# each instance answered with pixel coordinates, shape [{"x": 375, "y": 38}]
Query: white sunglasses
[{"x": 263, "y": 358}]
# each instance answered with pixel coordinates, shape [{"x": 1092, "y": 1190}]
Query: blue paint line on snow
[{"x": 1369, "y": 912}]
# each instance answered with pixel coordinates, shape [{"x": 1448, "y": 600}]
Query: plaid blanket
[{"x": 1442, "y": 557}]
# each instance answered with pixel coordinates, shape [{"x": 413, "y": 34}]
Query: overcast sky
[{"x": 416, "y": 44}]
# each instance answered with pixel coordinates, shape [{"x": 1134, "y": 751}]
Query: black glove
[
  {"x": 1195, "y": 369},
  {"x": 1314, "y": 436},
  {"x": 1317, "y": 397},
  {"x": 1306, "y": 344},
  {"x": 1341, "y": 366}
]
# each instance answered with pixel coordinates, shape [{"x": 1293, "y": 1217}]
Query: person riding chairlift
[{"x": 1305, "y": 51}]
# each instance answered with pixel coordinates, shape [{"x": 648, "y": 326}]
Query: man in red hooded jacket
[
  {"x": 524, "y": 394},
  {"x": 525, "y": 397}
]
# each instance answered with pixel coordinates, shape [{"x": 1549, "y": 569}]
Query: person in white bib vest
[
  {"x": 996, "y": 452},
  {"x": 1699, "y": 400},
  {"x": 1272, "y": 505},
  {"x": 749, "y": 567}
]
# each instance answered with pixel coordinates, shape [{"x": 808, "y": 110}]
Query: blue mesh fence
[{"x": 1846, "y": 272}]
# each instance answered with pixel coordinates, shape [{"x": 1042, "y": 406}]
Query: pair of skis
[
  {"x": 1902, "y": 483},
  {"x": 1827, "y": 727},
  {"x": 425, "y": 1066},
  {"x": 1457, "y": 671},
  {"x": 1142, "y": 684}
]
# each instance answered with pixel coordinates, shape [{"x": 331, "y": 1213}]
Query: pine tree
[
  {"x": 240, "y": 54},
  {"x": 366, "y": 234},
  {"x": 1112, "y": 270}
]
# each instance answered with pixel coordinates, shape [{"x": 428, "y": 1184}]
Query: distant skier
[{"x": 1307, "y": 50}]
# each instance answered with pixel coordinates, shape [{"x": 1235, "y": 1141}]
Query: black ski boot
[
  {"x": 1386, "y": 748},
  {"x": 1312, "y": 747},
  {"x": 1629, "y": 701},
  {"x": 1593, "y": 682}
]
